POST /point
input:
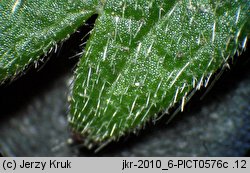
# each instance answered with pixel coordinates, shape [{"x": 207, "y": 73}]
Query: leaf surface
[
  {"x": 29, "y": 28},
  {"x": 145, "y": 56}
]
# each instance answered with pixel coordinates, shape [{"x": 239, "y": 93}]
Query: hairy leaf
[
  {"x": 29, "y": 28},
  {"x": 145, "y": 56}
]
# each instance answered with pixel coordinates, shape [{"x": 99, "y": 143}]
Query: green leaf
[
  {"x": 30, "y": 28},
  {"x": 145, "y": 56}
]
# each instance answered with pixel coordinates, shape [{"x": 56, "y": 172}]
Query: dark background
[{"x": 34, "y": 107}]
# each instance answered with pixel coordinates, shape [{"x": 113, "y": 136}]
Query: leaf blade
[
  {"x": 29, "y": 29},
  {"x": 133, "y": 68}
]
